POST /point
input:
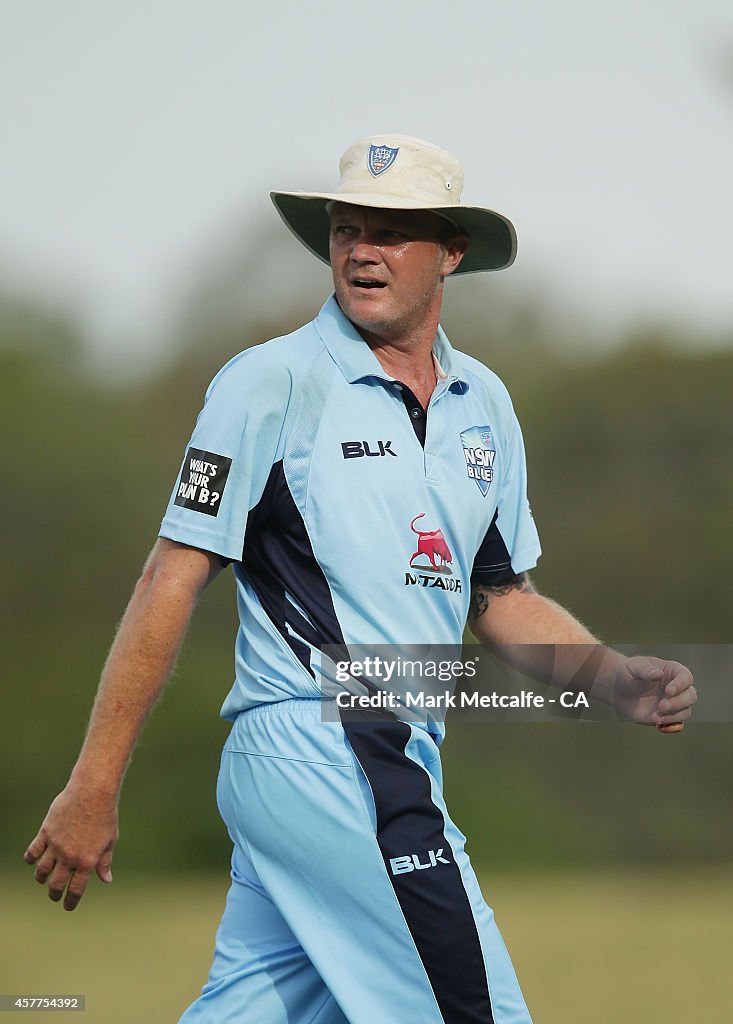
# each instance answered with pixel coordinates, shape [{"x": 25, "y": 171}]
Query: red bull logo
[
  {"x": 431, "y": 544},
  {"x": 431, "y": 561}
]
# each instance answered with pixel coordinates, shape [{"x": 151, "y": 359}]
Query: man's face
[{"x": 388, "y": 266}]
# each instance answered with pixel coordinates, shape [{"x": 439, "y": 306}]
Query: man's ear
[{"x": 455, "y": 250}]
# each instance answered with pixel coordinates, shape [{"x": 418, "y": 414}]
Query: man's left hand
[{"x": 652, "y": 691}]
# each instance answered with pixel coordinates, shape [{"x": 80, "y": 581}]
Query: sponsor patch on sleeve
[{"x": 203, "y": 479}]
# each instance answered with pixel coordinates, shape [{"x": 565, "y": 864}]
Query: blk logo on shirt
[{"x": 362, "y": 449}]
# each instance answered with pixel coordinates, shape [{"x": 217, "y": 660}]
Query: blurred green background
[
  {"x": 138, "y": 252},
  {"x": 605, "y": 848},
  {"x": 631, "y": 485}
]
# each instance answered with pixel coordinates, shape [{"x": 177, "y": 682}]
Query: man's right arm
[{"x": 79, "y": 832}]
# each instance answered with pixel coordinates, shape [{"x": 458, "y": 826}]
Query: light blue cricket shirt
[{"x": 304, "y": 469}]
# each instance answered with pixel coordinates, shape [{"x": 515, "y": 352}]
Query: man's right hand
[
  {"x": 78, "y": 835},
  {"x": 80, "y": 829}
]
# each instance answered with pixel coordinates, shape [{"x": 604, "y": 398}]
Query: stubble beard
[{"x": 392, "y": 326}]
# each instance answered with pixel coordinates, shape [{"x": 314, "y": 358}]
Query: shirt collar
[{"x": 356, "y": 360}]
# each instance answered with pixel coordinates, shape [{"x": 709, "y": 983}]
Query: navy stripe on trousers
[{"x": 432, "y": 897}]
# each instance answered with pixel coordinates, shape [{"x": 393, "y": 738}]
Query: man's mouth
[{"x": 365, "y": 282}]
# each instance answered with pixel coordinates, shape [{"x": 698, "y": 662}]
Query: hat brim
[{"x": 492, "y": 240}]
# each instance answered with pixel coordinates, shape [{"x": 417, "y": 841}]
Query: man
[{"x": 315, "y": 461}]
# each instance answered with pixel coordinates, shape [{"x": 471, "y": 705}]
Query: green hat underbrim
[{"x": 492, "y": 240}]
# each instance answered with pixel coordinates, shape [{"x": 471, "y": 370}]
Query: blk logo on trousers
[{"x": 412, "y": 862}]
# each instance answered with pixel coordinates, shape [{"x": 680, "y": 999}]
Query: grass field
[{"x": 593, "y": 948}]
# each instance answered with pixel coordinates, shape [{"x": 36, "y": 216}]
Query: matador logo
[{"x": 432, "y": 560}]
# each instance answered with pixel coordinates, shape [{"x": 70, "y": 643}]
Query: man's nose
[{"x": 364, "y": 250}]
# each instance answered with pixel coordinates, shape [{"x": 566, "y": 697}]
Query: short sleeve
[
  {"x": 511, "y": 544},
  {"x": 236, "y": 440}
]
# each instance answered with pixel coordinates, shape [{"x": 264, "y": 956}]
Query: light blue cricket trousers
[{"x": 352, "y": 899}]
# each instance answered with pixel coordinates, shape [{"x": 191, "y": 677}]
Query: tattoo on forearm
[
  {"x": 483, "y": 593},
  {"x": 479, "y": 602}
]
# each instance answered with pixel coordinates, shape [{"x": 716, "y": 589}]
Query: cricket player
[{"x": 366, "y": 483}]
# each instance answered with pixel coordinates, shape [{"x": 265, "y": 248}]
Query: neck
[
  {"x": 409, "y": 360},
  {"x": 404, "y": 350}
]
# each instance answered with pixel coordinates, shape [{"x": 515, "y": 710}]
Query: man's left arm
[{"x": 543, "y": 640}]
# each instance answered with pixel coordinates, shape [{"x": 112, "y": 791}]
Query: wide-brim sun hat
[{"x": 398, "y": 172}]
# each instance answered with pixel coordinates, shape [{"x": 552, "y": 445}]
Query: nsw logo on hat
[{"x": 381, "y": 158}]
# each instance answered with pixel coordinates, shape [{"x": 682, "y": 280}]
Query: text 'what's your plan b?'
[{"x": 202, "y": 481}]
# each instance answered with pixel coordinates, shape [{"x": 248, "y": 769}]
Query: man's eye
[
  {"x": 394, "y": 235},
  {"x": 341, "y": 229}
]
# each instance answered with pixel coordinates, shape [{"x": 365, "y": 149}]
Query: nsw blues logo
[
  {"x": 380, "y": 159},
  {"x": 480, "y": 452}
]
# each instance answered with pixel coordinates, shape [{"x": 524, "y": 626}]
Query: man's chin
[{"x": 365, "y": 313}]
